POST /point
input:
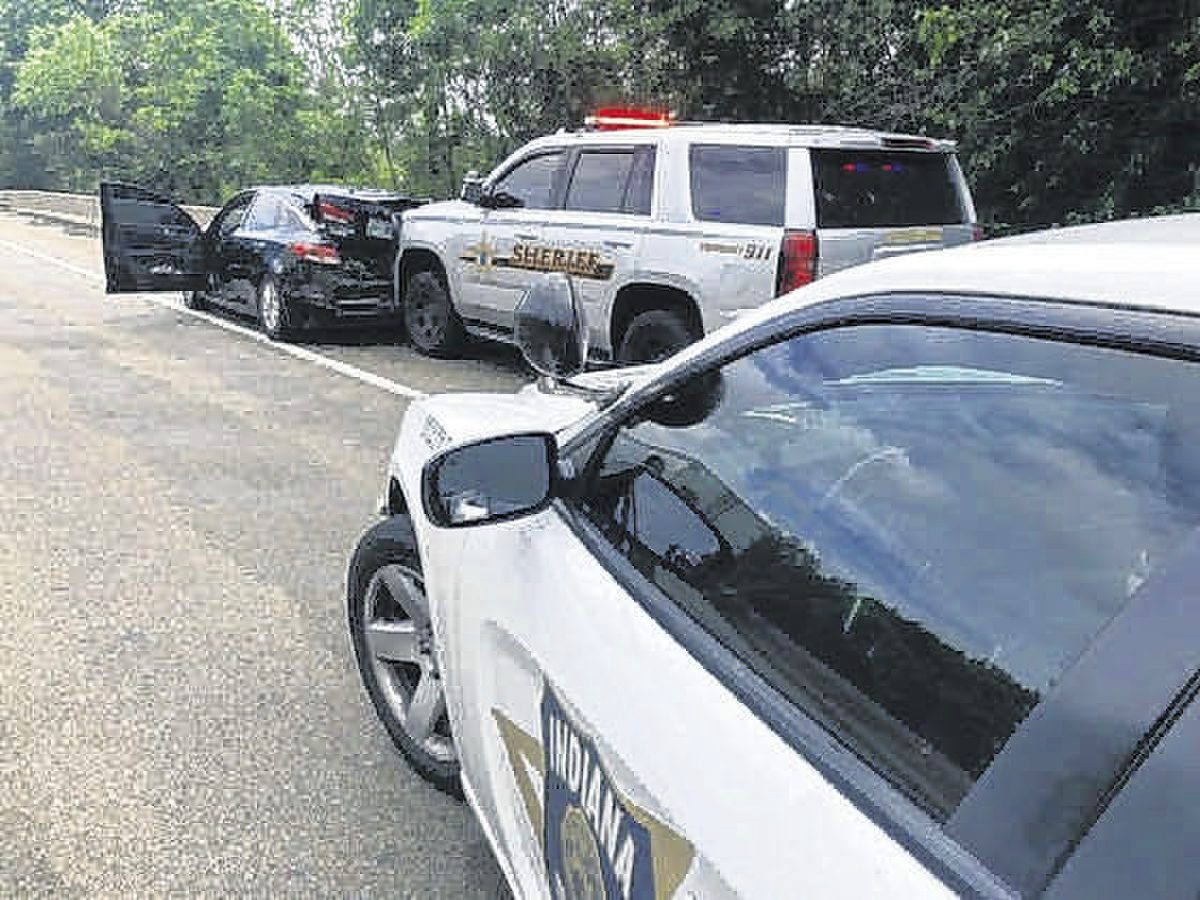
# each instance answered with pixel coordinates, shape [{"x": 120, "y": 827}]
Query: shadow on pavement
[{"x": 379, "y": 334}]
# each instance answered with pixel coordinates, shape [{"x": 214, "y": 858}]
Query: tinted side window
[
  {"x": 640, "y": 190},
  {"x": 911, "y": 532},
  {"x": 884, "y": 189},
  {"x": 598, "y": 184},
  {"x": 534, "y": 182},
  {"x": 137, "y": 212},
  {"x": 745, "y": 185},
  {"x": 229, "y": 218}
]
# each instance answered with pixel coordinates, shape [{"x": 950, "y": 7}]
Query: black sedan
[{"x": 291, "y": 256}]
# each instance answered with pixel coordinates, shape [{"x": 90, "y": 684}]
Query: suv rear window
[
  {"x": 744, "y": 185},
  {"x": 884, "y": 189}
]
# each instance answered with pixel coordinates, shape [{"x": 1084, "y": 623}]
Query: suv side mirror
[
  {"x": 550, "y": 327},
  {"x": 490, "y": 481},
  {"x": 472, "y": 187}
]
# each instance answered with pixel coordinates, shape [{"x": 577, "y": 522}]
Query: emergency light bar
[{"x": 615, "y": 118}]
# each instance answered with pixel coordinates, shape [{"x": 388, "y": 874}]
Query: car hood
[
  {"x": 443, "y": 208},
  {"x": 462, "y": 418},
  {"x": 446, "y": 420}
]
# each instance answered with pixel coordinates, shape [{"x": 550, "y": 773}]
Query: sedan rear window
[{"x": 884, "y": 189}]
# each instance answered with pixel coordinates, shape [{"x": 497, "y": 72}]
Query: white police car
[
  {"x": 669, "y": 230},
  {"x": 888, "y": 589}
]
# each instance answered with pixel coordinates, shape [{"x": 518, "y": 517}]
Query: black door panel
[
  {"x": 150, "y": 244},
  {"x": 222, "y": 248}
]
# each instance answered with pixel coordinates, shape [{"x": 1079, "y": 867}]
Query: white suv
[{"x": 669, "y": 232}]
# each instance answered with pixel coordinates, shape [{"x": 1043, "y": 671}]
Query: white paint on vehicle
[{"x": 327, "y": 362}]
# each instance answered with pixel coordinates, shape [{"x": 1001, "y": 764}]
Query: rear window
[
  {"x": 884, "y": 189},
  {"x": 744, "y": 185},
  {"x": 265, "y": 213}
]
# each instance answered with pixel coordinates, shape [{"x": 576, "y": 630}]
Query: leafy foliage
[{"x": 1065, "y": 110}]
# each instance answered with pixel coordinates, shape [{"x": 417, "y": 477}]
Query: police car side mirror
[
  {"x": 550, "y": 327},
  {"x": 490, "y": 481},
  {"x": 688, "y": 405}
]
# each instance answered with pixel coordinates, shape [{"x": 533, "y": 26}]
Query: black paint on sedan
[{"x": 291, "y": 256}]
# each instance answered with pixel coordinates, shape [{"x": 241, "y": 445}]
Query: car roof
[
  {"x": 775, "y": 134},
  {"x": 1149, "y": 264},
  {"x": 308, "y": 191},
  {"x": 1181, "y": 228}
]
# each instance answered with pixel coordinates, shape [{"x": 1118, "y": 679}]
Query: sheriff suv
[{"x": 670, "y": 231}]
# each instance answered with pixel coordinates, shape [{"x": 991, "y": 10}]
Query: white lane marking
[{"x": 335, "y": 365}]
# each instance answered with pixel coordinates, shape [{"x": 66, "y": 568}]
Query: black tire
[
  {"x": 276, "y": 319},
  {"x": 390, "y": 546},
  {"x": 195, "y": 300},
  {"x": 654, "y": 335},
  {"x": 433, "y": 326}
]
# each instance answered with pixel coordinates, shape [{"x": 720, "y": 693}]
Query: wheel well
[
  {"x": 418, "y": 261},
  {"x": 634, "y": 299}
]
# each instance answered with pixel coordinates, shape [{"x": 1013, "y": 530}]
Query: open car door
[{"x": 150, "y": 244}]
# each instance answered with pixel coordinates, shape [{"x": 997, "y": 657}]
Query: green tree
[
  {"x": 21, "y": 164},
  {"x": 1069, "y": 111},
  {"x": 194, "y": 100}
]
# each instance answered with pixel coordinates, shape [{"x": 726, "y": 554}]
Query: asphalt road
[{"x": 179, "y": 708}]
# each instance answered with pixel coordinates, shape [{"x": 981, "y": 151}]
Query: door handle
[
  {"x": 526, "y": 237},
  {"x": 619, "y": 245}
]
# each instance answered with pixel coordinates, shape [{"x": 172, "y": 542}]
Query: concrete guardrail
[{"x": 80, "y": 211}]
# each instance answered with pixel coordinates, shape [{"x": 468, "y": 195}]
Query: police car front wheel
[{"x": 393, "y": 643}]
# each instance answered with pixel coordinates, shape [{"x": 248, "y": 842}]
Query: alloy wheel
[
  {"x": 269, "y": 307},
  {"x": 399, "y": 641}
]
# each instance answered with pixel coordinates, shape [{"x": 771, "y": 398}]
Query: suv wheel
[
  {"x": 429, "y": 317},
  {"x": 392, "y": 636},
  {"x": 654, "y": 335}
]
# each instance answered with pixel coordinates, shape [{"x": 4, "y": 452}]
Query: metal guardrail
[{"x": 78, "y": 210}]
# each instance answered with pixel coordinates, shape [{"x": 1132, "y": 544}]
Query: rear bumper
[{"x": 335, "y": 295}]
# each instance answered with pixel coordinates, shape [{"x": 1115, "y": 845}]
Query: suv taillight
[
  {"x": 977, "y": 232},
  {"x": 322, "y": 254},
  {"x": 797, "y": 261}
]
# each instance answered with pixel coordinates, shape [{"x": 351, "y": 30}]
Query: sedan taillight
[
  {"x": 797, "y": 261},
  {"x": 323, "y": 254}
]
